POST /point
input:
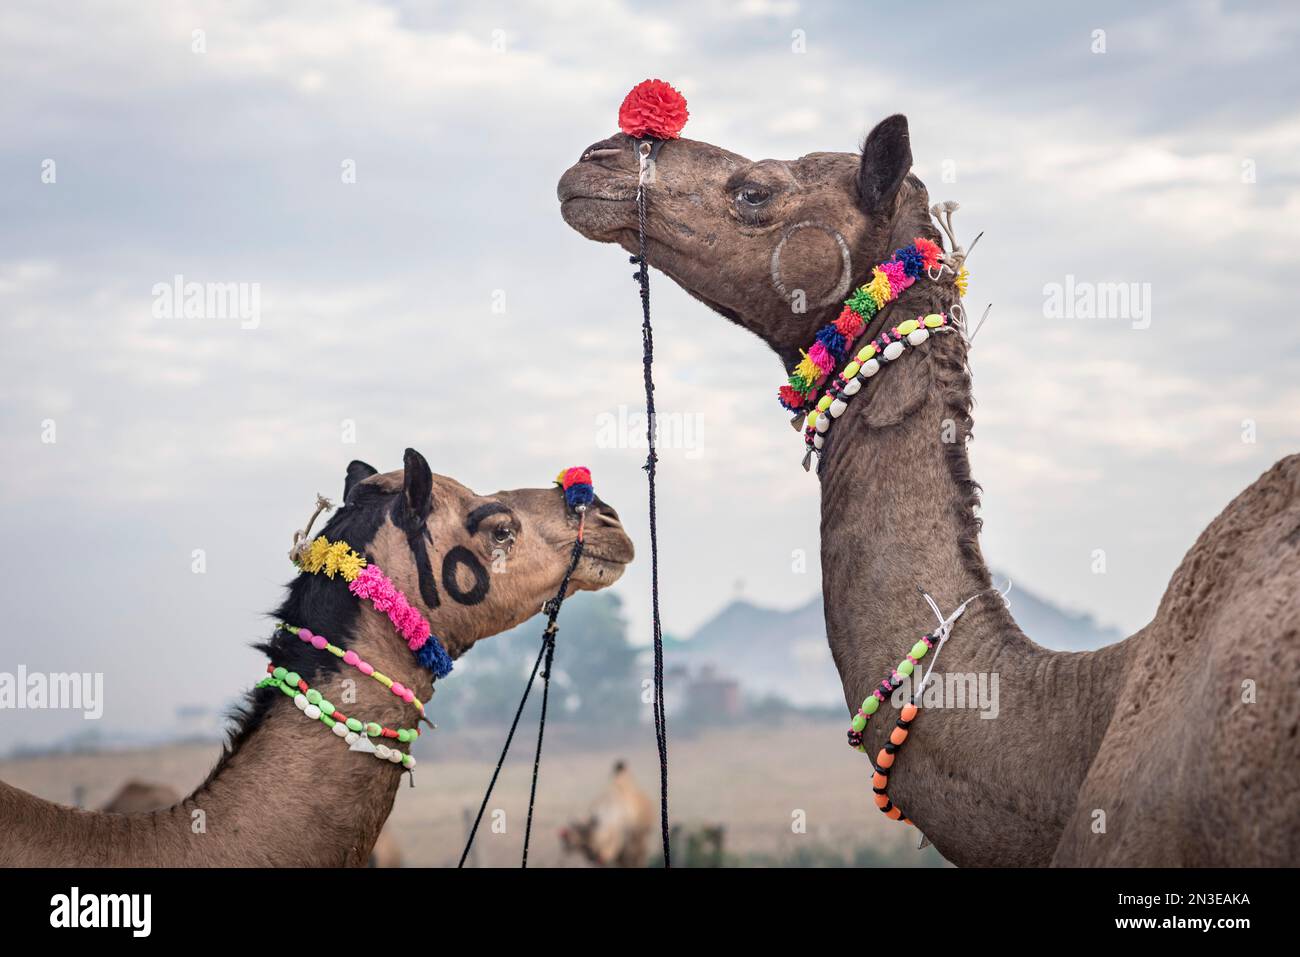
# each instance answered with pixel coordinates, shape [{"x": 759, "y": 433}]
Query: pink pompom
[
  {"x": 898, "y": 278},
  {"x": 821, "y": 357},
  {"x": 351, "y": 658}
]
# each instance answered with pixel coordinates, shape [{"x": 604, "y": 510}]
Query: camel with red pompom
[{"x": 1177, "y": 746}]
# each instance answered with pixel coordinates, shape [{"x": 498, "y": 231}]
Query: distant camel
[
  {"x": 1177, "y": 746},
  {"x": 286, "y": 793},
  {"x": 616, "y": 832},
  {"x": 137, "y": 797}
]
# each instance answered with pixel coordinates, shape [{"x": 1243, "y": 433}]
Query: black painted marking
[
  {"x": 417, "y": 535},
  {"x": 458, "y": 557},
  {"x": 477, "y": 516}
]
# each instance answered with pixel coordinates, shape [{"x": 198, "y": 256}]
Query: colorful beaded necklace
[
  {"x": 886, "y": 347},
  {"x": 317, "y": 708},
  {"x": 355, "y": 660},
  {"x": 884, "y": 762}
]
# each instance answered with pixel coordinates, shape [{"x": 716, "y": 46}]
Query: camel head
[
  {"x": 773, "y": 245},
  {"x": 473, "y": 565}
]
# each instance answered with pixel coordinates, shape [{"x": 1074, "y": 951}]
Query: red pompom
[
  {"x": 653, "y": 108},
  {"x": 577, "y": 474},
  {"x": 849, "y": 324},
  {"x": 930, "y": 253},
  {"x": 791, "y": 397}
]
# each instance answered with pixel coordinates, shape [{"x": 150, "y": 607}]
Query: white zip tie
[{"x": 944, "y": 631}]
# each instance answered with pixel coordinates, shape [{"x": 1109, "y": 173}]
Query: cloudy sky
[{"x": 439, "y": 301}]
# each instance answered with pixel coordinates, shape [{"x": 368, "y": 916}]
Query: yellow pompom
[
  {"x": 314, "y": 559},
  {"x": 350, "y": 565},
  {"x": 878, "y": 288},
  {"x": 807, "y": 370}
]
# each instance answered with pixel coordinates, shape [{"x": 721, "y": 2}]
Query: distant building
[{"x": 712, "y": 697}]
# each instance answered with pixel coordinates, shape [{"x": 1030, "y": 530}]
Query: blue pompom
[
  {"x": 579, "y": 493},
  {"x": 912, "y": 260},
  {"x": 433, "y": 657},
  {"x": 832, "y": 339}
]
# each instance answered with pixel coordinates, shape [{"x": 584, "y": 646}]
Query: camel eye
[
  {"x": 503, "y": 535},
  {"x": 752, "y": 196}
]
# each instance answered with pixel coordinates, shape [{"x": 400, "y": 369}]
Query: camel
[
  {"x": 285, "y": 793},
  {"x": 1176, "y": 746},
  {"x": 616, "y": 831},
  {"x": 136, "y": 797}
]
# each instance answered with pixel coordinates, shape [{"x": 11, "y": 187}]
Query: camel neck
[
  {"x": 288, "y": 792},
  {"x": 898, "y": 516}
]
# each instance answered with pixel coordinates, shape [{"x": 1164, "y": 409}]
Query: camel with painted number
[{"x": 285, "y": 792}]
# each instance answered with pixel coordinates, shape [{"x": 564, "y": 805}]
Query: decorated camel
[
  {"x": 1177, "y": 746},
  {"x": 394, "y": 589},
  {"x": 616, "y": 831}
]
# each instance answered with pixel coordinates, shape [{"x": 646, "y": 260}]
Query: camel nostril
[{"x": 605, "y": 149}]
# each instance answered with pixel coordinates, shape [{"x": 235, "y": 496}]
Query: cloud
[{"x": 378, "y": 318}]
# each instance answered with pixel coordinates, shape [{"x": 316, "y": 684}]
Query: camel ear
[
  {"x": 886, "y": 159},
  {"x": 902, "y": 395},
  {"x": 358, "y": 471},
  {"x": 417, "y": 484}
]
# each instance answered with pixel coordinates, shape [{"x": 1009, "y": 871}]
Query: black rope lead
[
  {"x": 647, "y": 360},
  {"x": 547, "y": 653}
]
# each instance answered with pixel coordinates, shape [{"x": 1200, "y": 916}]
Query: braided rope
[
  {"x": 647, "y": 361},
  {"x": 547, "y": 652}
]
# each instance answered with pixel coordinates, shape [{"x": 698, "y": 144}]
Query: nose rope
[
  {"x": 578, "y": 495},
  {"x": 646, "y": 152}
]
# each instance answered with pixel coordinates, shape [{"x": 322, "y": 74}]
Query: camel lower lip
[{"x": 608, "y": 560}]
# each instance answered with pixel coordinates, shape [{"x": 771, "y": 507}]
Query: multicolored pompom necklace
[{"x": 835, "y": 341}]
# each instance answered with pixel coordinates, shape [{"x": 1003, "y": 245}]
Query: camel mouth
[
  {"x": 597, "y": 203},
  {"x": 599, "y": 218}
]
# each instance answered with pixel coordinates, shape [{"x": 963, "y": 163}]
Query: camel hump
[{"x": 1253, "y": 546}]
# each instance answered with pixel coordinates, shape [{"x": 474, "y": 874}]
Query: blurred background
[{"x": 378, "y": 181}]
